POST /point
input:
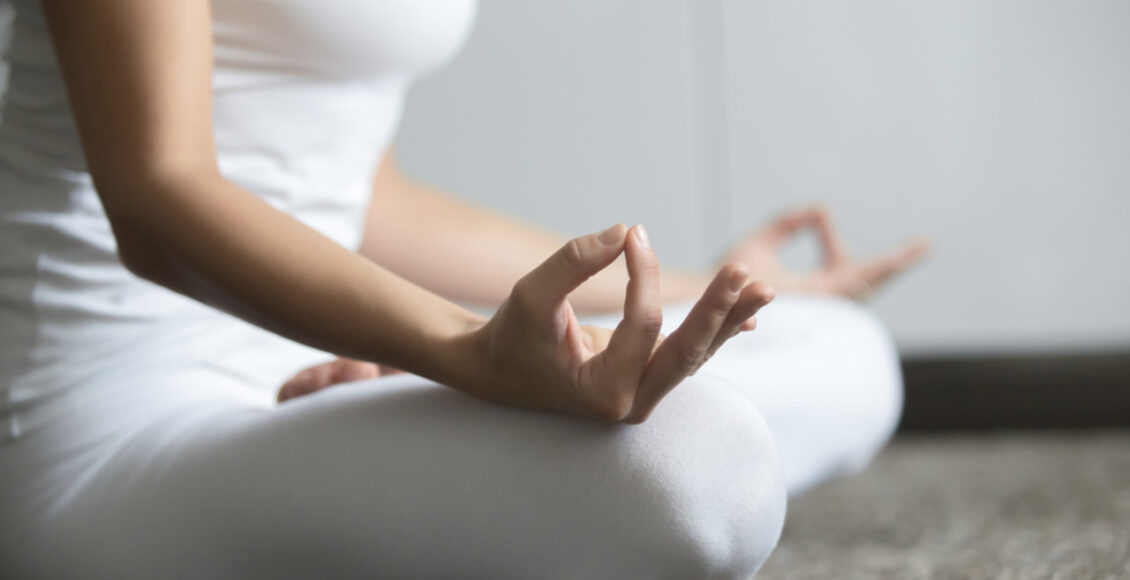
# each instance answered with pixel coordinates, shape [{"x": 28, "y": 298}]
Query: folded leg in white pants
[
  {"x": 824, "y": 373},
  {"x": 401, "y": 478}
]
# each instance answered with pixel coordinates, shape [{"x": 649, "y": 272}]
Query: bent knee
[
  {"x": 870, "y": 378},
  {"x": 707, "y": 481}
]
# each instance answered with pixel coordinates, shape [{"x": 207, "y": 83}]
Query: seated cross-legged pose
[{"x": 198, "y": 202}]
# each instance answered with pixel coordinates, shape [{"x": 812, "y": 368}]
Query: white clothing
[
  {"x": 401, "y": 478},
  {"x": 306, "y": 97},
  {"x": 824, "y": 373},
  {"x": 398, "y": 478},
  {"x": 141, "y": 435}
]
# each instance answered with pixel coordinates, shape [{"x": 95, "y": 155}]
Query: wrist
[{"x": 460, "y": 354}]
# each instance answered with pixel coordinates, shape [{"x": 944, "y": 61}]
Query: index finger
[
  {"x": 634, "y": 338},
  {"x": 547, "y": 285}
]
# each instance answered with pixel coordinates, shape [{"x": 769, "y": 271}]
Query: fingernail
[
  {"x": 737, "y": 279},
  {"x": 641, "y": 234},
  {"x": 610, "y": 235}
]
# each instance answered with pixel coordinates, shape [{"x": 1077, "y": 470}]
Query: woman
[{"x": 169, "y": 168}]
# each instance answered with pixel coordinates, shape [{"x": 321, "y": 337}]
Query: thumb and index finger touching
[
  {"x": 633, "y": 340},
  {"x": 628, "y": 355},
  {"x": 548, "y": 284},
  {"x": 785, "y": 226},
  {"x": 874, "y": 271}
]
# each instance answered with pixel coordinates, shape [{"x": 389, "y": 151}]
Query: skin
[
  {"x": 838, "y": 274},
  {"x": 398, "y": 200},
  {"x": 448, "y": 238},
  {"x": 138, "y": 74}
]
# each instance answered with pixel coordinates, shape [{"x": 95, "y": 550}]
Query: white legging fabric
[{"x": 401, "y": 478}]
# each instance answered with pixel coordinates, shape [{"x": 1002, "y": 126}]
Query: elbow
[
  {"x": 139, "y": 212},
  {"x": 140, "y": 257},
  {"x": 140, "y": 249},
  {"x": 160, "y": 220},
  {"x": 149, "y": 256},
  {"x": 139, "y": 261}
]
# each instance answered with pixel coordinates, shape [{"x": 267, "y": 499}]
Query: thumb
[{"x": 548, "y": 284}]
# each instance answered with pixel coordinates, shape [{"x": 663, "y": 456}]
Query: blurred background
[{"x": 998, "y": 129}]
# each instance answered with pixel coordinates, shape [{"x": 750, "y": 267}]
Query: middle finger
[
  {"x": 753, "y": 298},
  {"x": 685, "y": 348}
]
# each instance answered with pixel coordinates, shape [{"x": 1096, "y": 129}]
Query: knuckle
[
  {"x": 649, "y": 268},
  {"x": 520, "y": 287},
  {"x": 522, "y": 295},
  {"x": 692, "y": 355},
  {"x": 613, "y": 407},
  {"x": 607, "y": 414},
  {"x": 573, "y": 253},
  {"x": 650, "y": 321},
  {"x": 649, "y": 264},
  {"x": 637, "y": 418},
  {"x": 722, "y": 305}
]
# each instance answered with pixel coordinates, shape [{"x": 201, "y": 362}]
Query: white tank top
[{"x": 306, "y": 97}]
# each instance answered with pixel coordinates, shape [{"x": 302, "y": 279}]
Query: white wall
[
  {"x": 999, "y": 128},
  {"x": 556, "y": 113}
]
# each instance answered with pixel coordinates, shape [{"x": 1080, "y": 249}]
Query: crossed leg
[
  {"x": 400, "y": 478},
  {"x": 824, "y": 373}
]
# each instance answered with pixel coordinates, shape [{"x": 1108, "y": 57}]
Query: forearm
[
  {"x": 212, "y": 241},
  {"x": 471, "y": 254},
  {"x": 139, "y": 82}
]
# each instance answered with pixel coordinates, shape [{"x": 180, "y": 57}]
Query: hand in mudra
[
  {"x": 539, "y": 356},
  {"x": 534, "y": 353},
  {"x": 839, "y": 273}
]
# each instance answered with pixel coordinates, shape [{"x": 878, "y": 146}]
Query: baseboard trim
[{"x": 1054, "y": 391}]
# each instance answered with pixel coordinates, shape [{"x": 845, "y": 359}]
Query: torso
[{"x": 306, "y": 97}]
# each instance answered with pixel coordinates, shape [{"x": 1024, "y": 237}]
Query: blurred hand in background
[{"x": 838, "y": 273}]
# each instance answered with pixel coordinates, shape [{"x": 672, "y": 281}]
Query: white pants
[{"x": 401, "y": 478}]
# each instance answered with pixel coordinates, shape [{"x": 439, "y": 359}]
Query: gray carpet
[{"x": 1014, "y": 506}]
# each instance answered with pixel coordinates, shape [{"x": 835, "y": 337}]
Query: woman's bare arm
[
  {"x": 138, "y": 74},
  {"x": 139, "y": 77},
  {"x": 474, "y": 255}
]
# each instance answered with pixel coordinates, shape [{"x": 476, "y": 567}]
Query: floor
[{"x": 1007, "y": 506}]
